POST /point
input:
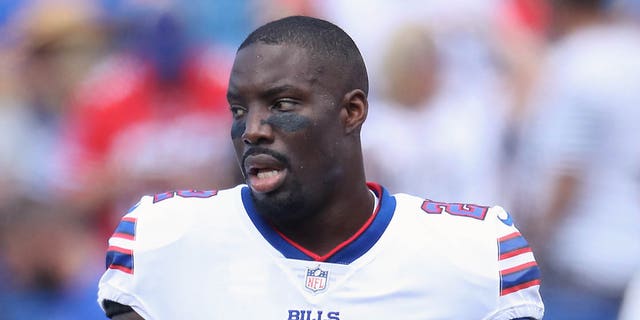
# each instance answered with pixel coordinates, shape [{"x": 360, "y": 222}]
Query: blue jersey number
[
  {"x": 185, "y": 194},
  {"x": 456, "y": 209}
]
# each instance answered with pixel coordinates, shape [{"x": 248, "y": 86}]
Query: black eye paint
[
  {"x": 237, "y": 129},
  {"x": 288, "y": 122}
]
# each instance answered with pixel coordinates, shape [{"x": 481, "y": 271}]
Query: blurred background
[{"x": 529, "y": 104}]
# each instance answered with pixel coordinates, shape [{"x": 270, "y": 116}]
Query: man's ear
[{"x": 354, "y": 110}]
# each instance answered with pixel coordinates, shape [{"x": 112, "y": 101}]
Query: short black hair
[{"x": 322, "y": 38}]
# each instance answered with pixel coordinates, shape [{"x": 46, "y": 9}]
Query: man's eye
[
  {"x": 237, "y": 111},
  {"x": 284, "y": 105}
]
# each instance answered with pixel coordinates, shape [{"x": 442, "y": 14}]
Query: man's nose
[{"x": 257, "y": 129}]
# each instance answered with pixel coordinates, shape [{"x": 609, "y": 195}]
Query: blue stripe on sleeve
[
  {"x": 126, "y": 227},
  {"x": 520, "y": 277},
  {"x": 512, "y": 244},
  {"x": 115, "y": 258}
]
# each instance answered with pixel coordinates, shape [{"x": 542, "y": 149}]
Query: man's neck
[{"x": 333, "y": 224}]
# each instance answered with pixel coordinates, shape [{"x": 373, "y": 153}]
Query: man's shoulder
[
  {"x": 481, "y": 242},
  {"x": 183, "y": 204},
  {"x": 449, "y": 212},
  {"x": 191, "y": 197},
  {"x": 186, "y": 205},
  {"x": 155, "y": 224},
  {"x": 474, "y": 227},
  {"x": 159, "y": 218}
]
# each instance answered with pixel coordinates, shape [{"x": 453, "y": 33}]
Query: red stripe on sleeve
[
  {"x": 123, "y": 236},
  {"x": 520, "y": 287},
  {"x": 121, "y": 250},
  {"x": 514, "y": 253},
  {"x": 509, "y": 236},
  {"x": 518, "y": 268}
]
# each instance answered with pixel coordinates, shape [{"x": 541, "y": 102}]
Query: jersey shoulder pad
[
  {"x": 487, "y": 233},
  {"x": 158, "y": 220}
]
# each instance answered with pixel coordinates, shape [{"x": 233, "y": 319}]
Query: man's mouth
[
  {"x": 264, "y": 173},
  {"x": 267, "y": 174}
]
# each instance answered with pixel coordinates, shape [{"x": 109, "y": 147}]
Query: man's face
[{"x": 286, "y": 128}]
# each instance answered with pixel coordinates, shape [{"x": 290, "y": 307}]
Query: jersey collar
[{"x": 344, "y": 253}]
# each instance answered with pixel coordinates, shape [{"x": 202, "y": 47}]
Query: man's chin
[
  {"x": 280, "y": 204},
  {"x": 277, "y": 195}
]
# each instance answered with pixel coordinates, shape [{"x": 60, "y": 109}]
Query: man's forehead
[
  {"x": 269, "y": 63},
  {"x": 259, "y": 53}
]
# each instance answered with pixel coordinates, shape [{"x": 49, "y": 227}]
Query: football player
[{"x": 307, "y": 237}]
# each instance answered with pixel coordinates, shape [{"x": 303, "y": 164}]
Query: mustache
[{"x": 260, "y": 150}]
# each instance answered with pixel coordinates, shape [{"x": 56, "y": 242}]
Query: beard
[
  {"x": 288, "y": 207},
  {"x": 294, "y": 201}
]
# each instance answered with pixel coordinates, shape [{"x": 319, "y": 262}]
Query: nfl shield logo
[{"x": 316, "y": 279}]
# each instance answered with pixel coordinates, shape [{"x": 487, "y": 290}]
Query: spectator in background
[
  {"x": 74, "y": 122},
  {"x": 269, "y": 10},
  {"x": 150, "y": 118},
  {"x": 49, "y": 47},
  {"x": 462, "y": 30},
  {"x": 579, "y": 161},
  {"x": 49, "y": 263},
  {"x": 416, "y": 104}
]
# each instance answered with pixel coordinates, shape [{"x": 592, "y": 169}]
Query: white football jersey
[{"x": 209, "y": 255}]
